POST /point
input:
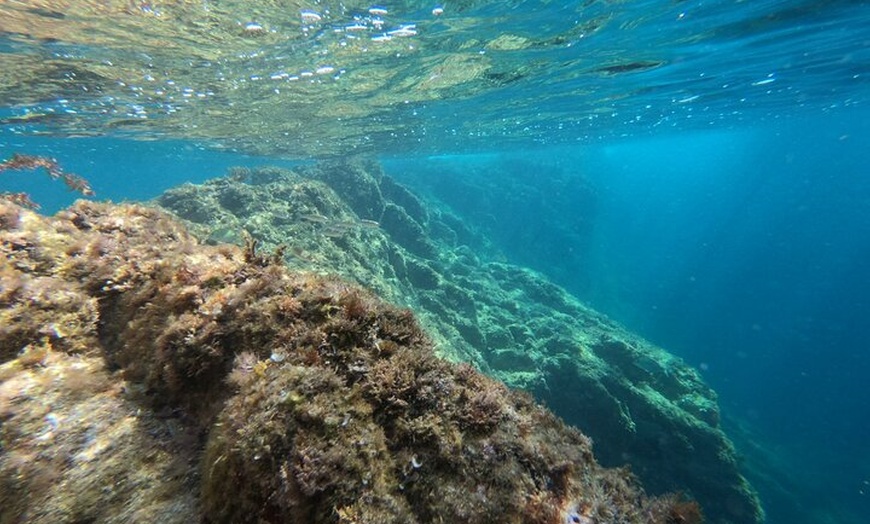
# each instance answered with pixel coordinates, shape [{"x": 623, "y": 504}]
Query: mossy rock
[
  {"x": 402, "y": 197},
  {"x": 356, "y": 181},
  {"x": 276, "y": 396},
  {"x": 465, "y": 288},
  {"x": 406, "y": 232}
]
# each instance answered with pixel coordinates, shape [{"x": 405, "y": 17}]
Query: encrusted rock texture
[
  {"x": 145, "y": 377},
  {"x": 641, "y": 405}
]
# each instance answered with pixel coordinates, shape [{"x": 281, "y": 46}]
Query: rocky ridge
[
  {"x": 145, "y": 377},
  {"x": 641, "y": 405}
]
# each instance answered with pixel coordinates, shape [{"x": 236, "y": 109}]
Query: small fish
[
  {"x": 315, "y": 218},
  {"x": 335, "y": 234},
  {"x": 403, "y": 31},
  {"x": 343, "y": 226},
  {"x": 310, "y": 17}
]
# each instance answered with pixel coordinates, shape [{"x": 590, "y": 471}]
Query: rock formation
[
  {"x": 145, "y": 377},
  {"x": 641, "y": 405}
]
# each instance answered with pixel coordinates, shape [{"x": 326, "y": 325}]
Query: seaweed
[
  {"x": 20, "y": 162},
  {"x": 277, "y": 396}
]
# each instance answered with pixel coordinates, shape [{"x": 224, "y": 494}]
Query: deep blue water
[
  {"x": 731, "y": 216},
  {"x": 747, "y": 253}
]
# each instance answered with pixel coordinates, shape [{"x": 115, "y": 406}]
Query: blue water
[
  {"x": 731, "y": 216},
  {"x": 745, "y": 252}
]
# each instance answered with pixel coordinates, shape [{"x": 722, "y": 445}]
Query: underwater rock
[
  {"x": 356, "y": 182},
  {"x": 641, "y": 405},
  {"x": 499, "y": 196},
  {"x": 212, "y": 384},
  {"x": 76, "y": 447},
  {"x": 406, "y": 232},
  {"x": 420, "y": 274},
  {"x": 405, "y": 199}
]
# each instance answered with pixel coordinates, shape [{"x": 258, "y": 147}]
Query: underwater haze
[
  {"x": 696, "y": 170},
  {"x": 743, "y": 251}
]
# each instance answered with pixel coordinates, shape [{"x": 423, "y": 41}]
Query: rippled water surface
[{"x": 317, "y": 78}]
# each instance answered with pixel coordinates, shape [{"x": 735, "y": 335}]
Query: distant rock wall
[{"x": 540, "y": 212}]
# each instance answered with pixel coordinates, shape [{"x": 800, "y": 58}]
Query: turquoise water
[
  {"x": 745, "y": 252},
  {"x": 694, "y": 169}
]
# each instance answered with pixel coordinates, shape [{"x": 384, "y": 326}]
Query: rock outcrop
[
  {"x": 147, "y": 378},
  {"x": 641, "y": 405}
]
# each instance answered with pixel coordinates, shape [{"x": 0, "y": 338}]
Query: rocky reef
[
  {"x": 641, "y": 405},
  {"x": 145, "y": 377}
]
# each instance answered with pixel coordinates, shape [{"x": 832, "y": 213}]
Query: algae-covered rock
[
  {"x": 323, "y": 234},
  {"x": 356, "y": 182},
  {"x": 641, "y": 405},
  {"x": 406, "y": 231},
  {"x": 212, "y": 384}
]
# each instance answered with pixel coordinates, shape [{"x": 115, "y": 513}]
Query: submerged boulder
[{"x": 147, "y": 378}]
